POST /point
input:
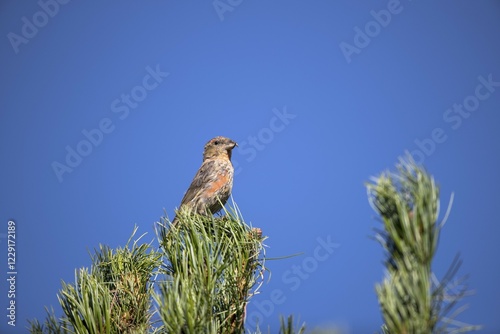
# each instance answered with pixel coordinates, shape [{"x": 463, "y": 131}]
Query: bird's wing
[{"x": 203, "y": 180}]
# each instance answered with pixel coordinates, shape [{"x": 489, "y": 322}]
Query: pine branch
[
  {"x": 113, "y": 296},
  {"x": 214, "y": 267},
  {"x": 408, "y": 204}
]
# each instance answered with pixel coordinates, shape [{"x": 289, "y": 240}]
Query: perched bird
[{"x": 212, "y": 184}]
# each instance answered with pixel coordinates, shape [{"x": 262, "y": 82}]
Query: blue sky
[{"x": 105, "y": 109}]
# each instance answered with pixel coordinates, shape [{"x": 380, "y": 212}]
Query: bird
[{"x": 212, "y": 184}]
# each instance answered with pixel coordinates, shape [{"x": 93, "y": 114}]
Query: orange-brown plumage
[{"x": 212, "y": 184}]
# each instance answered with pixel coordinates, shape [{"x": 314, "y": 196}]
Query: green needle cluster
[{"x": 408, "y": 205}]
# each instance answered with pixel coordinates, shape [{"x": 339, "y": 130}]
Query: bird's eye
[{"x": 216, "y": 142}]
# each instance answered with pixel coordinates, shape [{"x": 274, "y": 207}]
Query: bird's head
[{"x": 219, "y": 147}]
